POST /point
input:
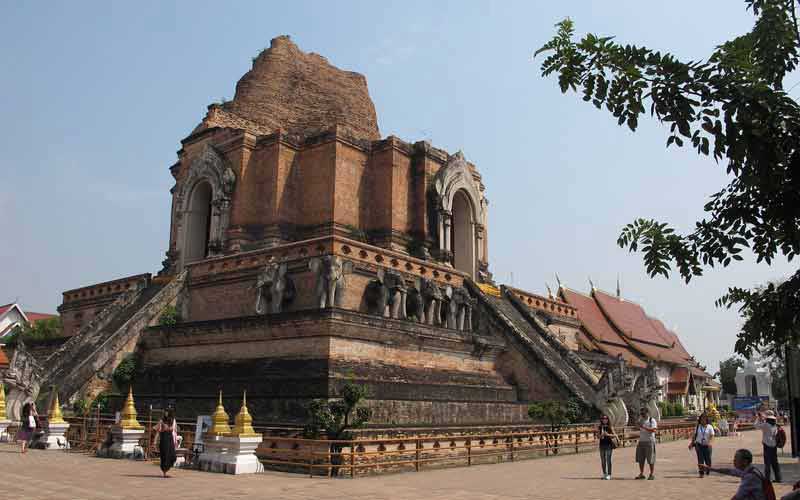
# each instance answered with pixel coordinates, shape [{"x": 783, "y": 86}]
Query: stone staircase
[
  {"x": 112, "y": 334},
  {"x": 534, "y": 343}
]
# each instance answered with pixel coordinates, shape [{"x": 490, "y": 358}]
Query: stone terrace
[{"x": 55, "y": 475}]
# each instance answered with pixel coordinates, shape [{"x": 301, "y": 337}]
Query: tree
[
  {"x": 733, "y": 108},
  {"x": 780, "y": 389},
  {"x": 336, "y": 419},
  {"x": 727, "y": 373},
  {"x": 44, "y": 329}
]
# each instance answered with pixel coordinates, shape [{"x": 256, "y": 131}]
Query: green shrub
[
  {"x": 169, "y": 316},
  {"x": 678, "y": 410},
  {"x": 100, "y": 402},
  {"x": 124, "y": 372}
]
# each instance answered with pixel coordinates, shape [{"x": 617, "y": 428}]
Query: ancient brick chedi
[{"x": 305, "y": 251}]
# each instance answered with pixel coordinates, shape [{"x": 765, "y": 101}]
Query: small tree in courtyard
[{"x": 336, "y": 419}]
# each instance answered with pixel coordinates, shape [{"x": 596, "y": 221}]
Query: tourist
[
  {"x": 28, "y": 424},
  {"x": 751, "y": 486},
  {"x": 646, "y": 449},
  {"x": 167, "y": 432},
  {"x": 723, "y": 426},
  {"x": 768, "y": 425},
  {"x": 794, "y": 494},
  {"x": 701, "y": 442},
  {"x": 607, "y": 444}
]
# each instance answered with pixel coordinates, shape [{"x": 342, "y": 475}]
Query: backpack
[
  {"x": 766, "y": 485},
  {"x": 780, "y": 438}
]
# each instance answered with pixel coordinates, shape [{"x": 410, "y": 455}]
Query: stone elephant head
[
  {"x": 432, "y": 297},
  {"x": 331, "y": 271},
  {"x": 459, "y": 309}
]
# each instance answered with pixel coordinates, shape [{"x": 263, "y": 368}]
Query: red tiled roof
[
  {"x": 630, "y": 319},
  {"x": 679, "y": 380},
  {"x": 34, "y": 316},
  {"x": 598, "y": 327},
  {"x": 5, "y": 308}
]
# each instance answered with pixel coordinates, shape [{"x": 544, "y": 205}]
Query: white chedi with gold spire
[
  {"x": 55, "y": 432},
  {"x": 127, "y": 432},
  {"x": 232, "y": 452}
]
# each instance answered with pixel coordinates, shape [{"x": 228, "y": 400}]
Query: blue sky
[{"x": 96, "y": 97}]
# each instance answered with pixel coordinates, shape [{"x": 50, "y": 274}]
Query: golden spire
[
  {"x": 243, "y": 424},
  {"x": 219, "y": 421},
  {"x": 2, "y": 402},
  {"x": 55, "y": 416},
  {"x": 128, "y": 418}
]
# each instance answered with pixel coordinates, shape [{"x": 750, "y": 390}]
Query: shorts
[{"x": 646, "y": 452}]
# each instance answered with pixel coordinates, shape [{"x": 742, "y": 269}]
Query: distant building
[
  {"x": 754, "y": 380},
  {"x": 12, "y": 315}
]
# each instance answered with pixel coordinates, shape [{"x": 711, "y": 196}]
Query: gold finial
[
  {"x": 243, "y": 424},
  {"x": 219, "y": 421},
  {"x": 2, "y": 402},
  {"x": 55, "y": 416},
  {"x": 128, "y": 418}
]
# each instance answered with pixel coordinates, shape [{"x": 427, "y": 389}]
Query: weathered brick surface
[{"x": 301, "y": 93}]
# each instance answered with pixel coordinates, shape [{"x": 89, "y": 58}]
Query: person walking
[
  {"x": 646, "y": 449},
  {"x": 752, "y": 484},
  {"x": 607, "y": 444},
  {"x": 701, "y": 442},
  {"x": 768, "y": 425},
  {"x": 167, "y": 432},
  {"x": 28, "y": 424}
]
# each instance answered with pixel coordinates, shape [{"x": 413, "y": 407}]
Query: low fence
[{"x": 361, "y": 456}]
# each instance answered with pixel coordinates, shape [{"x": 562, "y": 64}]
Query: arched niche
[
  {"x": 198, "y": 223},
  {"x": 461, "y": 217},
  {"x": 463, "y": 233},
  {"x": 202, "y": 206}
]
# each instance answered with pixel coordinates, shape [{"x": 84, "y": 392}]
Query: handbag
[{"x": 31, "y": 422}]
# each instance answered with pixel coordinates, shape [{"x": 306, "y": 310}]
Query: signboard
[
  {"x": 203, "y": 425},
  {"x": 747, "y": 406}
]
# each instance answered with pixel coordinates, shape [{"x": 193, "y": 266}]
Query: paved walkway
[{"x": 56, "y": 475}]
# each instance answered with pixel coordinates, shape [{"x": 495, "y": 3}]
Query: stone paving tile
[{"x": 74, "y": 476}]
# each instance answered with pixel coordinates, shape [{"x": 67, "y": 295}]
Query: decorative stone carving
[
  {"x": 454, "y": 177},
  {"x": 275, "y": 289},
  {"x": 209, "y": 166},
  {"x": 459, "y": 309},
  {"x": 415, "y": 304},
  {"x": 331, "y": 271},
  {"x": 386, "y": 294},
  {"x": 432, "y": 302}
]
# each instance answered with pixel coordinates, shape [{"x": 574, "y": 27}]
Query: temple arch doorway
[
  {"x": 463, "y": 234},
  {"x": 198, "y": 218}
]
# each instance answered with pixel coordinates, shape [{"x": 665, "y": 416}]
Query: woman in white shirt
[{"x": 701, "y": 442}]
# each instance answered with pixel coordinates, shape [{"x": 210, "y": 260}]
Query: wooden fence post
[
  {"x": 469, "y": 452},
  {"x": 352, "y": 459},
  {"x": 416, "y": 455}
]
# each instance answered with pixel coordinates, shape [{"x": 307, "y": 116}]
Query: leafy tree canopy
[
  {"x": 727, "y": 373},
  {"x": 336, "y": 418},
  {"x": 45, "y": 329},
  {"x": 731, "y": 107}
]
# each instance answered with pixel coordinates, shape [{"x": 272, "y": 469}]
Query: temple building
[{"x": 306, "y": 251}]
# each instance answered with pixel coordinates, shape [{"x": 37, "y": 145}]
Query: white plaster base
[
  {"x": 3, "y": 428},
  {"x": 231, "y": 455},
  {"x": 54, "y": 434},
  {"x": 125, "y": 441},
  {"x": 213, "y": 448},
  {"x": 240, "y": 457}
]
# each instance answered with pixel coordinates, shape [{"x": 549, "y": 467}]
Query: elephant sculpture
[
  {"x": 415, "y": 304},
  {"x": 459, "y": 309},
  {"x": 386, "y": 294},
  {"x": 331, "y": 282},
  {"x": 431, "y": 302},
  {"x": 275, "y": 289}
]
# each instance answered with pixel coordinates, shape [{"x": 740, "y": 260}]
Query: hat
[{"x": 770, "y": 415}]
